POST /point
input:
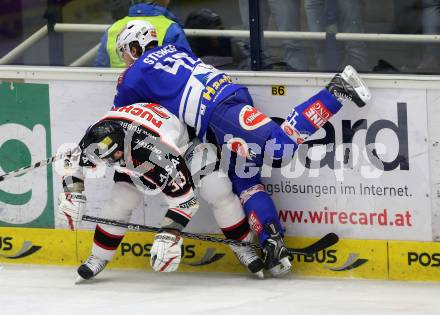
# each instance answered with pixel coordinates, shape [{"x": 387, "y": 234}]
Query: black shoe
[
  {"x": 275, "y": 253},
  {"x": 249, "y": 258},
  {"x": 91, "y": 267},
  {"x": 349, "y": 86}
]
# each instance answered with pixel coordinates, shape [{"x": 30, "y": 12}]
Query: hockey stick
[
  {"x": 29, "y": 168},
  {"x": 324, "y": 242}
]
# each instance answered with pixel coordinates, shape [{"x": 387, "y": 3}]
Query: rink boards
[
  {"x": 367, "y": 259},
  {"x": 370, "y": 173}
]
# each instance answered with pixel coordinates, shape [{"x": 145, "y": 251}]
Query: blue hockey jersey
[{"x": 177, "y": 80}]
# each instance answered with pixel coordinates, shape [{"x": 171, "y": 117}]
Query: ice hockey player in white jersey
[{"x": 144, "y": 142}]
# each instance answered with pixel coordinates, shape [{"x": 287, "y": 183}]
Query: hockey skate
[
  {"x": 349, "y": 86},
  {"x": 249, "y": 258},
  {"x": 275, "y": 254},
  {"x": 90, "y": 268}
]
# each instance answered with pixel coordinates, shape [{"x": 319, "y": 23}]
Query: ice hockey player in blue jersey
[{"x": 222, "y": 112}]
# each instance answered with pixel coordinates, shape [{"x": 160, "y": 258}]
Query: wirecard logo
[{"x": 27, "y": 248}]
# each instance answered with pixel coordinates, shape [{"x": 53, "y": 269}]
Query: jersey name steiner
[{"x": 156, "y": 55}]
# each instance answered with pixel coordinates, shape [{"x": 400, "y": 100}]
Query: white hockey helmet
[{"x": 135, "y": 31}]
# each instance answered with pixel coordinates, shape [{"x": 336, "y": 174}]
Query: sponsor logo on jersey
[
  {"x": 317, "y": 114},
  {"x": 147, "y": 145},
  {"x": 131, "y": 126},
  {"x": 250, "y": 118},
  {"x": 157, "y": 109},
  {"x": 213, "y": 86},
  {"x": 255, "y": 223},
  {"x": 143, "y": 112},
  {"x": 192, "y": 203},
  {"x": 293, "y": 133},
  {"x": 289, "y": 130}
]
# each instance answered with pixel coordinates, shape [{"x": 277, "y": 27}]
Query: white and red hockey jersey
[{"x": 154, "y": 144}]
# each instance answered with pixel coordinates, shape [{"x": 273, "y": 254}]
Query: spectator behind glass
[
  {"x": 348, "y": 18},
  {"x": 430, "y": 25},
  {"x": 286, "y": 17},
  {"x": 217, "y": 51},
  {"x": 168, "y": 27},
  {"x": 10, "y": 20},
  {"x": 118, "y": 8}
]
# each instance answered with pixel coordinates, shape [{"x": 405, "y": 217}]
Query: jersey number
[{"x": 173, "y": 63}]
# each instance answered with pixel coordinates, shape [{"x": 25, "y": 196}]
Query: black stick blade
[{"x": 326, "y": 241}]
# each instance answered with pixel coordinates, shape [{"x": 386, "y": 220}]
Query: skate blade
[
  {"x": 80, "y": 280},
  {"x": 352, "y": 77},
  {"x": 259, "y": 274},
  {"x": 282, "y": 269}
]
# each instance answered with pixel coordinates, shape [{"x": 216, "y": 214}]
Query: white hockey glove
[
  {"x": 71, "y": 207},
  {"x": 166, "y": 252}
]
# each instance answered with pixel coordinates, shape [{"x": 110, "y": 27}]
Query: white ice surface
[{"x": 46, "y": 290}]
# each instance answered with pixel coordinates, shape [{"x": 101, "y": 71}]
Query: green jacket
[{"x": 161, "y": 23}]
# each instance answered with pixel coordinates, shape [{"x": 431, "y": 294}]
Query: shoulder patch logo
[{"x": 250, "y": 118}]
